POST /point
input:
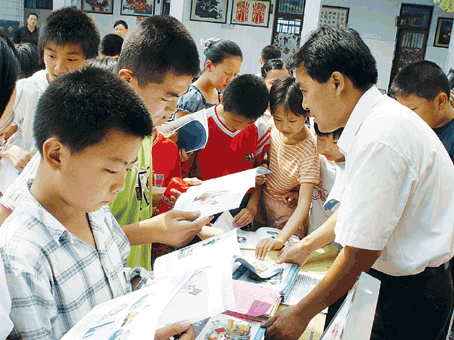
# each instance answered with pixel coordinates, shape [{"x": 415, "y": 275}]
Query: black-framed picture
[
  {"x": 7, "y": 27},
  {"x": 334, "y": 16},
  {"x": 97, "y": 6},
  {"x": 443, "y": 32},
  {"x": 137, "y": 8},
  {"x": 39, "y": 4},
  {"x": 251, "y": 13},
  {"x": 209, "y": 11}
]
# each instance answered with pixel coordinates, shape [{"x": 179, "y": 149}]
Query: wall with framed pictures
[
  {"x": 250, "y": 13},
  {"x": 334, "y": 16},
  {"x": 137, "y": 8},
  {"x": 443, "y": 32}
]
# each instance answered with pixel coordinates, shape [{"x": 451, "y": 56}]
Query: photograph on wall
[
  {"x": 97, "y": 6},
  {"x": 251, "y": 13},
  {"x": 39, "y": 4},
  {"x": 443, "y": 32},
  {"x": 76, "y": 4},
  {"x": 137, "y": 7},
  {"x": 7, "y": 27},
  {"x": 209, "y": 10},
  {"x": 334, "y": 16}
]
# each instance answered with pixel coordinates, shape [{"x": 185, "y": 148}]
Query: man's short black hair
[
  {"x": 32, "y": 13},
  {"x": 424, "y": 79},
  {"x": 246, "y": 96},
  {"x": 335, "y": 134},
  {"x": 70, "y": 26},
  {"x": 331, "y": 49},
  {"x": 9, "y": 71},
  {"x": 120, "y": 22},
  {"x": 91, "y": 102},
  {"x": 158, "y": 45},
  {"x": 270, "y": 52},
  {"x": 111, "y": 45}
]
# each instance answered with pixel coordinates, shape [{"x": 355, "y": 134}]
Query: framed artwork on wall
[
  {"x": 7, "y": 27},
  {"x": 443, "y": 32},
  {"x": 97, "y": 6},
  {"x": 76, "y": 4},
  {"x": 138, "y": 8},
  {"x": 334, "y": 16},
  {"x": 251, "y": 13},
  {"x": 209, "y": 11}
]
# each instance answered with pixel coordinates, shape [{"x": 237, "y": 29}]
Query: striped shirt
[
  {"x": 53, "y": 277},
  {"x": 290, "y": 165}
]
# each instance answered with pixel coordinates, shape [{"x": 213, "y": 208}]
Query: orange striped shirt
[{"x": 291, "y": 165}]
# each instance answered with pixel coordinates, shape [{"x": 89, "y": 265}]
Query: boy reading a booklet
[
  {"x": 62, "y": 249},
  {"x": 238, "y": 139}
]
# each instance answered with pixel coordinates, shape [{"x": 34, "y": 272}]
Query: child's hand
[
  {"x": 290, "y": 199},
  {"x": 244, "y": 217},
  {"x": 183, "y": 155},
  {"x": 176, "y": 193},
  {"x": 261, "y": 179},
  {"x": 184, "y": 329},
  {"x": 293, "y": 252},
  {"x": 173, "y": 136},
  {"x": 267, "y": 244},
  {"x": 18, "y": 156}
]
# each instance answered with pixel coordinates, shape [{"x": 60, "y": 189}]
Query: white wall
[
  {"x": 375, "y": 21},
  {"x": 250, "y": 39}
]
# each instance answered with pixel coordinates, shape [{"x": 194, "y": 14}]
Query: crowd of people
[{"x": 83, "y": 166}]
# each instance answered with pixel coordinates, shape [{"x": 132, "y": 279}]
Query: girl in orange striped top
[{"x": 294, "y": 162}]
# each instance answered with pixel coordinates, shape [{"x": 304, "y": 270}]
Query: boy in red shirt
[{"x": 238, "y": 139}]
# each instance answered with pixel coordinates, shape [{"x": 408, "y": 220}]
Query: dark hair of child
[
  {"x": 272, "y": 64},
  {"x": 270, "y": 52},
  {"x": 36, "y": 15},
  {"x": 174, "y": 50},
  {"x": 91, "y": 102},
  {"x": 111, "y": 45},
  {"x": 246, "y": 96},
  {"x": 336, "y": 133},
  {"x": 70, "y": 26},
  {"x": 120, "y": 22},
  {"x": 217, "y": 51},
  {"x": 286, "y": 92},
  {"x": 340, "y": 49},
  {"x": 107, "y": 63},
  {"x": 424, "y": 79},
  {"x": 9, "y": 71},
  {"x": 29, "y": 59}
]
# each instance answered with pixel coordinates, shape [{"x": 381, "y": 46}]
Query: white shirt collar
[{"x": 361, "y": 111}]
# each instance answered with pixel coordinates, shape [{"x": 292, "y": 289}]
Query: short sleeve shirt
[
  {"x": 23, "y": 35},
  {"x": 166, "y": 164},
  {"x": 399, "y": 190}
]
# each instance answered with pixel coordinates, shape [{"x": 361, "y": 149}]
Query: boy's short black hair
[
  {"x": 331, "y": 49},
  {"x": 424, "y": 79},
  {"x": 70, "y": 26},
  {"x": 9, "y": 71},
  {"x": 107, "y": 63},
  {"x": 270, "y": 52},
  {"x": 32, "y": 13},
  {"x": 91, "y": 102},
  {"x": 120, "y": 22},
  {"x": 111, "y": 45},
  {"x": 335, "y": 134},
  {"x": 286, "y": 92},
  {"x": 246, "y": 96},
  {"x": 158, "y": 45},
  {"x": 272, "y": 64}
]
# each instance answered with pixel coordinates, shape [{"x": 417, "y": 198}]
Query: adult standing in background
[
  {"x": 121, "y": 28},
  {"x": 28, "y": 33}
]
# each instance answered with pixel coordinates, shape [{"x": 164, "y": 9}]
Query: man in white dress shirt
[{"x": 396, "y": 219}]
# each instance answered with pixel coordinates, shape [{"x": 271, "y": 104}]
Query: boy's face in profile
[
  {"x": 422, "y": 107},
  {"x": 62, "y": 59},
  {"x": 92, "y": 178},
  {"x": 327, "y": 146},
  {"x": 162, "y": 98}
]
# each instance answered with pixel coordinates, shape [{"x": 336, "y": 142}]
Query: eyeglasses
[{"x": 6, "y": 143}]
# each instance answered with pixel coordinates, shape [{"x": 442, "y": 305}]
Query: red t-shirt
[
  {"x": 166, "y": 160},
  {"x": 229, "y": 152}
]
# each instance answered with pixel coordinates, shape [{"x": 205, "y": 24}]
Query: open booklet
[
  {"x": 193, "y": 131},
  {"x": 218, "y": 194},
  {"x": 248, "y": 239}
]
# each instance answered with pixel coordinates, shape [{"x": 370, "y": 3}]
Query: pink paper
[{"x": 252, "y": 299}]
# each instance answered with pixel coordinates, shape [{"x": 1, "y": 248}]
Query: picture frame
[
  {"x": 98, "y": 6},
  {"x": 137, "y": 8},
  {"x": 209, "y": 11},
  {"x": 76, "y": 4},
  {"x": 251, "y": 13},
  {"x": 334, "y": 16},
  {"x": 8, "y": 27},
  {"x": 443, "y": 32}
]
